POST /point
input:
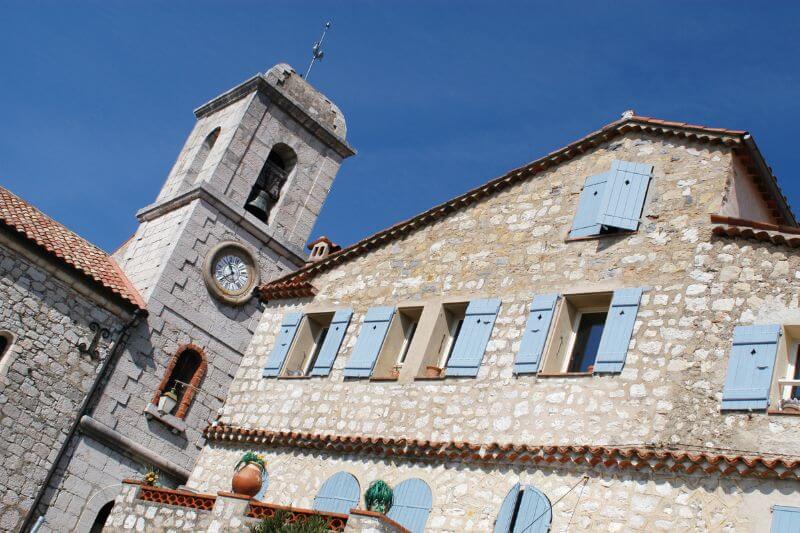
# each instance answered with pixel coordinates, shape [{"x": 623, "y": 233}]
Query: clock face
[{"x": 231, "y": 273}]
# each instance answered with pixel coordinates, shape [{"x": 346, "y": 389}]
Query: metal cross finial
[{"x": 316, "y": 50}]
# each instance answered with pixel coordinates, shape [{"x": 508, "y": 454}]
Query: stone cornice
[
  {"x": 606, "y": 457},
  {"x": 217, "y": 199}
]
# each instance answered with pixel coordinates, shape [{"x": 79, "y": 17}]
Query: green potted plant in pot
[
  {"x": 168, "y": 401},
  {"x": 379, "y": 496},
  {"x": 249, "y": 474}
]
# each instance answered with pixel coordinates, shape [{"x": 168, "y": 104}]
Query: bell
[{"x": 260, "y": 205}]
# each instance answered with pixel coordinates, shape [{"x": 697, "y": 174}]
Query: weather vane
[{"x": 316, "y": 50}]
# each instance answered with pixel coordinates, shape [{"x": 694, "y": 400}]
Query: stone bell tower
[{"x": 237, "y": 209}]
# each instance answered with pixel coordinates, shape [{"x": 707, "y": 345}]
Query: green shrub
[{"x": 279, "y": 523}]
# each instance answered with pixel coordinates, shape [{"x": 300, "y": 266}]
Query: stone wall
[{"x": 44, "y": 377}]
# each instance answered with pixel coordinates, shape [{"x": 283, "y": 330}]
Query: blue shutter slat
[
  {"x": 585, "y": 222},
  {"x": 338, "y": 494},
  {"x": 617, "y": 331},
  {"x": 282, "y": 344},
  {"x": 534, "y": 513},
  {"x": 506, "y": 513},
  {"x": 750, "y": 365},
  {"x": 332, "y": 343},
  {"x": 623, "y": 198},
  {"x": 785, "y": 519},
  {"x": 533, "y": 340},
  {"x": 471, "y": 342},
  {"x": 411, "y": 505},
  {"x": 370, "y": 340}
]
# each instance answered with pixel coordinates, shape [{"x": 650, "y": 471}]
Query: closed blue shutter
[
  {"x": 585, "y": 222},
  {"x": 411, "y": 505},
  {"x": 282, "y": 344},
  {"x": 532, "y": 346},
  {"x": 535, "y": 512},
  {"x": 264, "y": 484},
  {"x": 785, "y": 519},
  {"x": 617, "y": 331},
  {"x": 750, "y": 367},
  {"x": 624, "y": 195},
  {"x": 473, "y": 338},
  {"x": 338, "y": 494},
  {"x": 370, "y": 340},
  {"x": 506, "y": 513},
  {"x": 332, "y": 343}
]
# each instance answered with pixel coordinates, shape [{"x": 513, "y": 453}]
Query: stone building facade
[
  {"x": 524, "y": 396},
  {"x": 236, "y": 209}
]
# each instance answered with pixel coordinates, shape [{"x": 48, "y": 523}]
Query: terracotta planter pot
[
  {"x": 433, "y": 371},
  {"x": 247, "y": 480}
]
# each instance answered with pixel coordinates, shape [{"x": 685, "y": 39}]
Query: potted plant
[
  {"x": 168, "y": 401},
  {"x": 434, "y": 371},
  {"x": 151, "y": 477},
  {"x": 249, "y": 474},
  {"x": 378, "y": 496}
]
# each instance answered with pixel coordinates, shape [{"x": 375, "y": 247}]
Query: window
[
  {"x": 578, "y": 328},
  {"x": 183, "y": 375},
  {"x": 612, "y": 201},
  {"x": 202, "y": 154},
  {"x": 267, "y": 189},
  {"x": 411, "y": 504},
  {"x": 446, "y": 331},
  {"x": 779, "y": 347},
  {"x": 526, "y": 509},
  {"x": 309, "y": 339},
  {"x": 338, "y": 494},
  {"x": 396, "y": 345},
  {"x": 785, "y": 519}
]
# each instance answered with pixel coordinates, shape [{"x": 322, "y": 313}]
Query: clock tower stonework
[{"x": 237, "y": 208}]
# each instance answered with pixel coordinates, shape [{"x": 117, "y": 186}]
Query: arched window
[
  {"x": 202, "y": 154},
  {"x": 267, "y": 189},
  {"x": 183, "y": 375},
  {"x": 411, "y": 504},
  {"x": 102, "y": 516},
  {"x": 338, "y": 494},
  {"x": 526, "y": 509}
]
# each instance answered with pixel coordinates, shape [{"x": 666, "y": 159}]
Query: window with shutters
[
  {"x": 446, "y": 330},
  {"x": 307, "y": 345},
  {"x": 524, "y": 509},
  {"x": 784, "y": 391},
  {"x": 612, "y": 202},
  {"x": 396, "y": 345},
  {"x": 577, "y": 330}
]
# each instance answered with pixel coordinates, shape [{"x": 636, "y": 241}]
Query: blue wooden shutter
[
  {"x": 750, "y": 367},
  {"x": 585, "y": 222},
  {"x": 264, "y": 484},
  {"x": 535, "y": 512},
  {"x": 532, "y": 346},
  {"x": 338, "y": 494},
  {"x": 411, "y": 505},
  {"x": 618, "y": 330},
  {"x": 332, "y": 343},
  {"x": 370, "y": 340},
  {"x": 785, "y": 519},
  {"x": 506, "y": 513},
  {"x": 624, "y": 195},
  {"x": 473, "y": 338},
  {"x": 282, "y": 344}
]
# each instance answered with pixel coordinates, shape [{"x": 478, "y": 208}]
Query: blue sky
[{"x": 438, "y": 96}]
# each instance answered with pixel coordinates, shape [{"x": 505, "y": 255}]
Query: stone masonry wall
[{"x": 44, "y": 377}]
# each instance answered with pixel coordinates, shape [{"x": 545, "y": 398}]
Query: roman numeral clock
[{"x": 230, "y": 272}]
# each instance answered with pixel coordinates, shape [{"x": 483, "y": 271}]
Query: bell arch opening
[{"x": 273, "y": 176}]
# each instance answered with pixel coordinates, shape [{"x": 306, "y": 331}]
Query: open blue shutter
[
  {"x": 617, "y": 331},
  {"x": 750, "y": 367},
  {"x": 532, "y": 346},
  {"x": 623, "y": 198},
  {"x": 506, "y": 513},
  {"x": 411, "y": 505},
  {"x": 282, "y": 344},
  {"x": 585, "y": 222},
  {"x": 785, "y": 519},
  {"x": 370, "y": 340},
  {"x": 473, "y": 338},
  {"x": 332, "y": 342},
  {"x": 338, "y": 494},
  {"x": 535, "y": 512}
]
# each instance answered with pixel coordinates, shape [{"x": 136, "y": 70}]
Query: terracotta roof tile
[
  {"x": 753, "y": 230},
  {"x": 740, "y": 140},
  {"x": 637, "y": 457},
  {"x": 65, "y": 246}
]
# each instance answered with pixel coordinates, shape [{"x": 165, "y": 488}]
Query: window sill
[
  {"x": 783, "y": 412},
  {"x": 430, "y": 378},
  {"x": 565, "y": 374},
  {"x": 175, "y": 424},
  {"x": 384, "y": 378},
  {"x": 294, "y": 377},
  {"x": 601, "y": 236}
]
